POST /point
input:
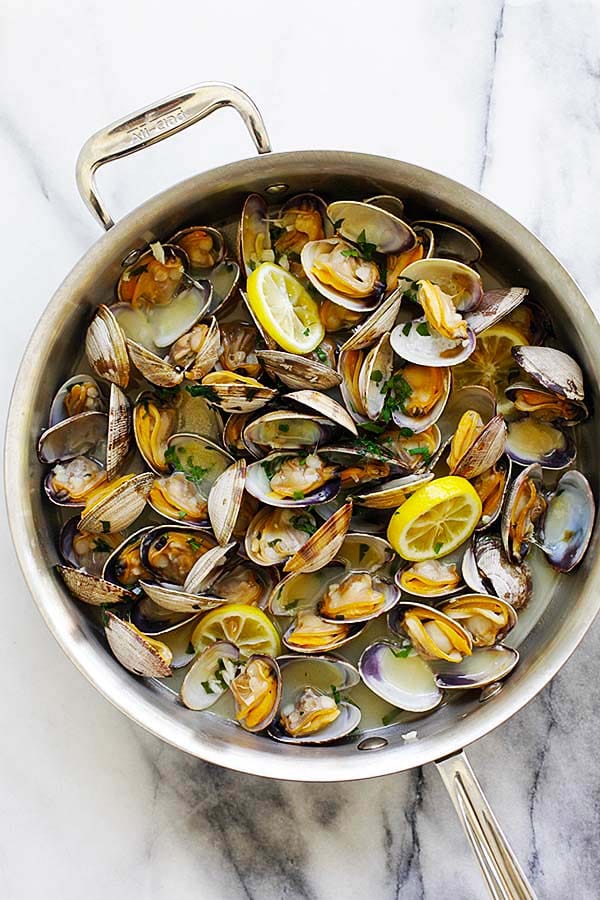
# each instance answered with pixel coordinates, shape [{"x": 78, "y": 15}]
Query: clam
[
  {"x": 418, "y": 343},
  {"x": 170, "y": 551},
  {"x": 309, "y": 633},
  {"x": 494, "y": 306},
  {"x": 225, "y": 279},
  {"x": 417, "y": 395},
  {"x": 322, "y": 546},
  {"x": 474, "y": 397},
  {"x": 197, "y": 593},
  {"x": 337, "y": 318},
  {"x": 275, "y": 534},
  {"x": 76, "y": 436},
  {"x": 93, "y": 589},
  {"x": 375, "y": 372},
  {"x": 417, "y": 448},
  {"x": 452, "y": 241},
  {"x": 106, "y": 349},
  {"x": 357, "y": 597},
  {"x": 312, "y": 710},
  {"x": 532, "y": 440},
  {"x": 232, "y": 433},
  {"x": 84, "y": 550},
  {"x": 154, "y": 421},
  {"x": 256, "y": 692},
  {"x": 243, "y": 582},
  {"x": 225, "y": 500},
  {"x": 233, "y": 393},
  {"x": 400, "y": 676},
  {"x": 487, "y": 619},
  {"x": 195, "y": 465},
  {"x": 135, "y": 651},
  {"x": 284, "y": 430},
  {"x": 293, "y": 480},
  {"x": 544, "y": 404},
  {"x": 204, "y": 246},
  {"x": 119, "y": 433},
  {"x": 196, "y": 352},
  {"x": 568, "y": 523},
  {"x": 340, "y": 273},
  {"x": 364, "y": 552},
  {"x": 153, "y": 276},
  {"x": 254, "y": 236},
  {"x": 490, "y": 571},
  {"x": 485, "y": 666},
  {"x": 115, "y": 505},
  {"x": 302, "y": 218},
  {"x": 388, "y": 202},
  {"x": 398, "y": 262},
  {"x": 393, "y": 493},
  {"x": 323, "y": 405},
  {"x": 238, "y": 348},
  {"x": 430, "y": 578},
  {"x": 210, "y": 675},
  {"x": 380, "y": 322},
  {"x": 124, "y": 566},
  {"x": 525, "y": 504},
  {"x": 457, "y": 282},
  {"x": 475, "y": 447},
  {"x": 491, "y": 486},
  {"x": 173, "y": 627},
  {"x": 298, "y": 372},
  {"x": 362, "y": 465},
  {"x": 79, "y": 394},
  {"x": 432, "y": 633},
  {"x": 366, "y": 224},
  {"x": 552, "y": 369},
  {"x": 73, "y": 482}
]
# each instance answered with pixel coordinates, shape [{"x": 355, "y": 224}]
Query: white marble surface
[{"x": 502, "y": 96}]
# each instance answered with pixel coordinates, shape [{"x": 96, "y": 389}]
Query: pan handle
[
  {"x": 154, "y": 123},
  {"x": 501, "y": 871}
]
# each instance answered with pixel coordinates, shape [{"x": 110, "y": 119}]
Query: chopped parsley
[
  {"x": 191, "y": 650},
  {"x": 298, "y": 495},
  {"x": 283, "y": 426},
  {"x": 274, "y": 542},
  {"x": 363, "y": 549},
  {"x": 252, "y": 264},
  {"x": 306, "y": 331},
  {"x": 181, "y": 514},
  {"x": 304, "y": 522},
  {"x": 105, "y": 526},
  {"x": 367, "y": 250},
  {"x": 335, "y": 694},
  {"x": 406, "y": 432},
  {"x": 397, "y": 391},
  {"x": 291, "y": 604},
  {"x": 321, "y": 355},
  {"x": 194, "y": 544},
  {"x": 423, "y": 329},
  {"x": 192, "y": 472},
  {"x": 272, "y": 466},
  {"x": 406, "y": 329},
  {"x": 337, "y": 225},
  {"x": 389, "y": 717},
  {"x": 411, "y": 290},
  {"x": 350, "y": 252},
  {"x": 420, "y": 451},
  {"x": 437, "y": 547},
  {"x": 207, "y": 687},
  {"x": 101, "y": 546},
  {"x": 401, "y": 653},
  {"x": 373, "y": 427},
  {"x": 203, "y": 390},
  {"x": 377, "y": 376}
]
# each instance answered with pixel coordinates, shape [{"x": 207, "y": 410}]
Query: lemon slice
[
  {"x": 435, "y": 520},
  {"x": 285, "y": 309},
  {"x": 491, "y": 361},
  {"x": 245, "y": 626}
]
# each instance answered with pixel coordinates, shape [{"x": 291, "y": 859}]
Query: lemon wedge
[
  {"x": 435, "y": 520},
  {"x": 285, "y": 309},
  {"x": 249, "y": 628}
]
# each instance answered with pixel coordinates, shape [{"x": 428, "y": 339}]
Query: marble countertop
[{"x": 504, "y": 96}]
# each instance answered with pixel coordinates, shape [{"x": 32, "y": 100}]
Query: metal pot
[{"x": 212, "y": 196}]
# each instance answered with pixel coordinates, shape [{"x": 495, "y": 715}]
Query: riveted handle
[
  {"x": 154, "y": 123},
  {"x": 499, "y": 866}
]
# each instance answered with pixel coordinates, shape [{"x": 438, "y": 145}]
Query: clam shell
[
  {"x": 355, "y": 629},
  {"x": 452, "y": 241},
  {"x": 391, "y": 494},
  {"x": 444, "y": 272},
  {"x": 534, "y": 471},
  {"x": 503, "y": 464},
  {"x": 193, "y": 691},
  {"x": 485, "y": 450},
  {"x": 270, "y": 715},
  {"x": 225, "y": 279},
  {"x": 391, "y": 594},
  {"x": 358, "y": 304},
  {"x": 470, "y": 572},
  {"x": 207, "y": 568},
  {"x": 179, "y": 240},
  {"x": 75, "y": 436},
  {"x": 486, "y": 665},
  {"x": 498, "y": 575},
  {"x": 380, "y": 227},
  {"x": 154, "y": 368},
  {"x": 207, "y": 354},
  {"x": 118, "y": 509},
  {"x": 178, "y": 600},
  {"x": 297, "y": 372},
  {"x": 421, "y": 423},
  {"x": 473, "y": 396},
  {"x": 569, "y": 522},
  {"x": 137, "y": 653},
  {"x": 119, "y": 432},
  {"x": 156, "y": 533},
  {"x": 361, "y": 552},
  {"x": 346, "y": 722},
  {"x": 106, "y": 349},
  {"x": 237, "y": 396},
  {"x": 521, "y": 448},
  {"x": 405, "y": 681},
  {"x": 325, "y": 406},
  {"x": 109, "y": 569},
  {"x": 396, "y": 619},
  {"x": 58, "y": 411},
  {"x": 553, "y": 369},
  {"x": 283, "y": 430},
  {"x": 431, "y": 349},
  {"x": 154, "y": 621},
  {"x": 258, "y": 485},
  {"x": 454, "y": 606},
  {"x": 91, "y": 588},
  {"x": 225, "y": 499},
  {"x": 96, "y": 558},
  {"x": 323, "y": 545},
  {"x": 378, "y": 323},
  {"x": 494, "y": 306},
  {"x": 253, "y": 224},
  {"x": 579, "y": 411},
  {"x": 388, "y": 202},
  {"x": 376, "y": 371}
]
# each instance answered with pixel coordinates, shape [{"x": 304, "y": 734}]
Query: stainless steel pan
[{"x": 214, "y": 195}]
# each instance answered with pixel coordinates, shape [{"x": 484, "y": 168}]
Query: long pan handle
[
  {"x": 501, "y": 871},
  {"x": 156, "y": 122}
]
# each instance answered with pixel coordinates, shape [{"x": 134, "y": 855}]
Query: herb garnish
[
  {"x": 283, "y": 426},
  {"x": 437, "y": 547},
  {"x": 406, "y": 329},
  {"x": 423, "y": 329},
  {"x": 298, "y": 495},
  {"x": 191, "y": 650},
  {"x": 271, "y": 466},
  {"x": 367, "y": 250},
  {"x": 401, "y": 653},
  {"x": 352, "y": 252},
  {"x": 376, "y": 376},
  {"x": 101, "y": 546},
  {"x": 362, "y": 550},
  {"x": 304, "y": 522},
  {"x": 420, "y": 451},
  {"x": 397, "y": 391},
  {"x": 194, "y": 544},
  {"x": 105, "y": 526},
  {"x": 203, "y": 390},
  {"x": 207, "y": 687},
  {"x": 321, "y": 355},
  {"x": 335, "y": 694}
]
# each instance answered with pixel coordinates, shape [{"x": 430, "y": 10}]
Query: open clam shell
[
  {"x": 523, "y": 507},
  {"x": 298, "y": 372},
  {"x": 484, "y": 452},
  {"x": 375, "y": 372},
  {"x": 391, "y": 494},
  {"x": 474, "y": 397},
  {"x": 234, "y": 393},
  {"x": 347, "y": 721},
  {"x": 452, "y": 241},
  {"x": 154, "y": 421},
  {"x": 388, "y": 202},
  {"x": 203, "y": 245},
  {"x": 261, "y": 474},
  {"x": 356, "y": 283},
  {"x": 497, "y": 574},
  {"x": 428, "y": 395},
  {"x": 323, "y": 545},
  {"x": 544, "y": 404},
  {"x": 399, "y": 676},
  {"x": 87, "y": 552},
  {"x": 116, "y": 506},
  {"x": 93, "y": 589},
  {"x": 256, "y": 692},
  {"x": 225, "y": 280},
  {"x": 494, "y": 306},
  {"x": 120, "y": 431},
  {"x": 124, "y": 566},
  {"x": 485, "y": 666},
  {"x": 421, "y": 345},
  {"x": 253, "y": 236},
  {"x": 154, "y": 621},
  {"x": 285, "y": 430},
  {"x": 136, "y": 652},
  {"x": 275, "y": 534},
  {"x": 154, "y": 368},
  {"x": 569, "y": 521},
  {"x": 368, "y": 223},
  {"x": 361, "y": 552},
  {"x": 75, "y": 436},
  {"x": 323, "y": 405},
  {"x": 365, "y": 585},
  {"x": 531, "y": 440},
  {"x": 225, "y": 500},
  {"x": 73, "y": 482},
  {"x": 430, "y": 579},
  {"x": 177, "y": 600},
  {"x": 459, "y": 281},
  {"x": 380, "y": 322},
  {"x": 79, "y": 393},
  {"x": 487, "y": 619},
  {"x": 207, "y": 678},
  {"x": 106, "y": 349},
  {"x": 432, "y": 633},
  {"x": 309, "y": 633},
  {"x": 492, "y": 486},
  {"x": 553, "y": 369},
  {"x": 170, "y": 551}
]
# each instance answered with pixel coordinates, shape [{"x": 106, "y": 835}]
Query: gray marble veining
[{"x": 504, "y": 96}]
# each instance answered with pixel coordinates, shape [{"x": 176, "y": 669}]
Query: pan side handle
[
  {"x": 154, "y": 123},
  {"x": 501, "y": 871}
]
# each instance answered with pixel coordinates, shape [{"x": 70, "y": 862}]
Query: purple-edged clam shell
[
  {"x": 553, "y": 369},
  {"x": 405, "y": 681},
  {"x": 530, "y": 440},
  {"x": 258, "y": 485},
  {"x": 569, "y": 521},
  {"x": 430, "y": 348},
  {"x": 485, "y": 666}
]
